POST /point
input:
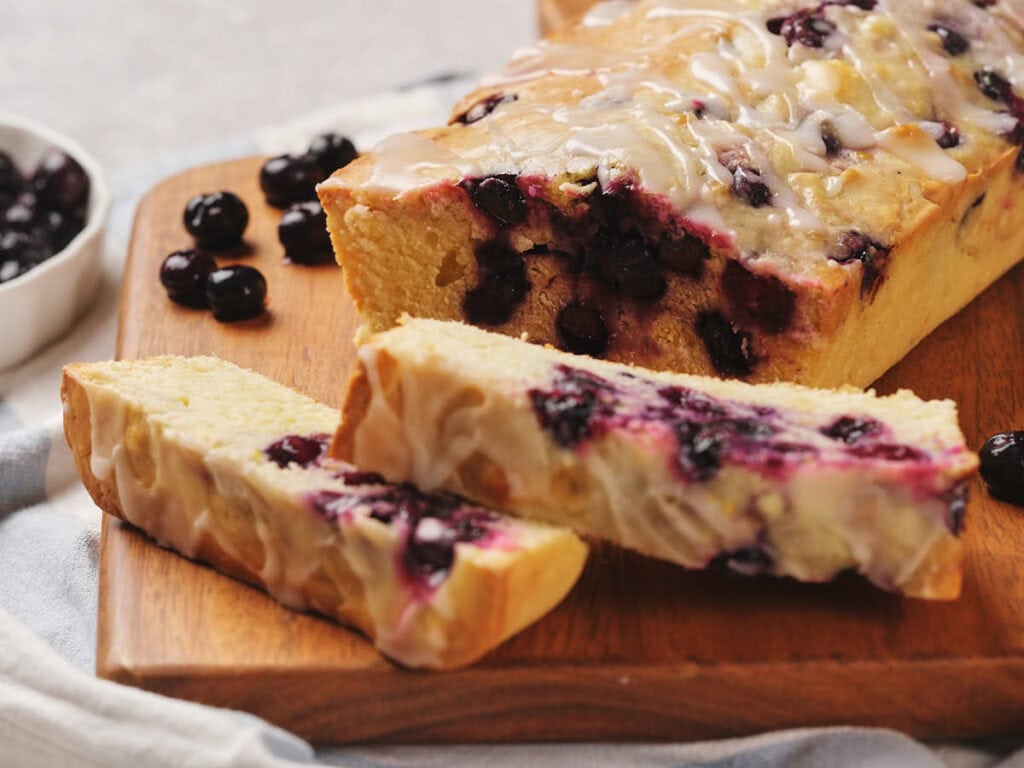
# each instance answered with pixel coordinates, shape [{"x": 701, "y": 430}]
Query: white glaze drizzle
[{"x": 758, "y": 94}]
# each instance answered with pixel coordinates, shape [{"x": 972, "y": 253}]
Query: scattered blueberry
[
  {"x": 303, "y": 233},
  {"x": 288, "y": 179},
  {"x": 216, "y": 221},
  {"x": 582, "y": 330},
  {"x": 728, "y": 348},
  {"x": 499, "y": 197},
  {"x": 953, "y": 42},
  {"x": 332, "y": 151},
  {"x": 60, "y": 182},
  {"x": 296, "y": 449},
  {"x": 236, "y": 293},
  {"x": 1002, "y": 467},
  {"x": 184, "y": 273},
  {"x": 758, "y": 299}
]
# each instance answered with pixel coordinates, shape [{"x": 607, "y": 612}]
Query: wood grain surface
[{"x": 640, "y": 649}]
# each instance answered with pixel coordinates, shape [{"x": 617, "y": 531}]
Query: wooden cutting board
[{"x": 640, "y": 649}]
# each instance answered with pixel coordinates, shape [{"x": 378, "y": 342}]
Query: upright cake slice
[
  {"x": 775, "y": 479},
  {"x": 764, "y": 189},
  {"x": 226, "y": 466}
]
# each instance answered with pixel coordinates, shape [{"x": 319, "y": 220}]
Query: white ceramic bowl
[{"x": 44, "y": 303}]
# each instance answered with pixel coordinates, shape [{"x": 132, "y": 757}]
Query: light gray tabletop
[{"x": 134, "y": 81}]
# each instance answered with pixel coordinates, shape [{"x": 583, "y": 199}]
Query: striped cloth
[{"x": 54, "y": 712}]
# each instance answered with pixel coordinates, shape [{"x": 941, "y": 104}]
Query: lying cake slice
[
  {"x": 776, "y": 479},
  {"x": 765, "y": 189},
  {"x": 226, "y": 466}
]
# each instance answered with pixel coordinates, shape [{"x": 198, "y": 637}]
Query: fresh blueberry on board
[
  {"x": 236, "y": 293},
  {"x": 183, "y": 275},
  {"x": 1002, "y": 467},
  {"x": 288, "y": 179},
  {"x": 331, "y": 152},
  {"x": 303, "y": 233},
  {"x": 217, "y": 221}
]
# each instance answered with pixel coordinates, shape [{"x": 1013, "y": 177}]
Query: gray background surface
[{"x": 136, "y": 81}]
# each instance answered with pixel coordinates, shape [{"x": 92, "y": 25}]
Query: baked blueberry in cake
[
  {"x": 778, "y": 479},
  {"x": 761, "y": 189},
  {"x": 226, "y": 466}
]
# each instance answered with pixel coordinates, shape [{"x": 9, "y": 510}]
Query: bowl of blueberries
[{"x": 53, "y": 208}]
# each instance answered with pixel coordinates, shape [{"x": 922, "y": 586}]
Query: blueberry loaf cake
[
  {"x": 226, "y": 466},
  {"x": 777, "y": 479},
  {"x": 763, "y": 189}
]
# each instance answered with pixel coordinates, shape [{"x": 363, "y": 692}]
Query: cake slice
[
  {"x": 226, "y": 466},
  {"x": 776, "y": 479},
  {"x": 763, "y": 189}
]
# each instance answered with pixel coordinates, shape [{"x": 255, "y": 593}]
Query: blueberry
[
  {"x": 22, "y": 214},
  {"x": 296, "y": 449},
  {"x": 804, "y": 27},
  {"x": 499, "y": 197},
  {"x": 502, "y": 287},
  {"x": 950, "y": 136},
  {"x": 356, "y": 477},
  {"x": 236, "y": 293},
  {"x": 303, "y": 233},
  {"x": 183, "y": 275},
  {"x": 60, "y": 182},
  {"x": 852, "y": 429},
  {"x": 854, "y": 246},
  {"x": 748, "y": 561},
  {"x": 758, "y": 299},
  {"x": 956, "y": 511},
  {"x": 686, "y": 254},
  {"x": 886, "y": 452},
  {"x": 727, "y": 347},
  {"x": 572, "y": 408},
  {"x": 699, "y": 456},
  {"x": 59, "y": 228},
  {"x": 216, "y": 221},
  {"x": 628, "y": 266},
  {"x": 483, "y": 108},
  {"x": 20, "y": 252},
  {"x": 830, "y": 137},
  {"x": 431, "y": 546},
  {"x": 749, "y": 186},
  {"x": 582, "y": 330},
  {"x": 1002, "y": 467},
  {"x": 288, "y": 179},
  {"x": 331, "y": 152},
  {"x": 952, "y": 41},
  {"x": 994, "y": 85},
  {"x": 12, "y": 183}
]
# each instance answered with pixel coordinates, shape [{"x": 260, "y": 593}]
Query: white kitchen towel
[{"x": 54, "y": 712}]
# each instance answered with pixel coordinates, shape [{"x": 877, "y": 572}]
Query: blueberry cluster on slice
[{"x": 40, "y": 213}]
